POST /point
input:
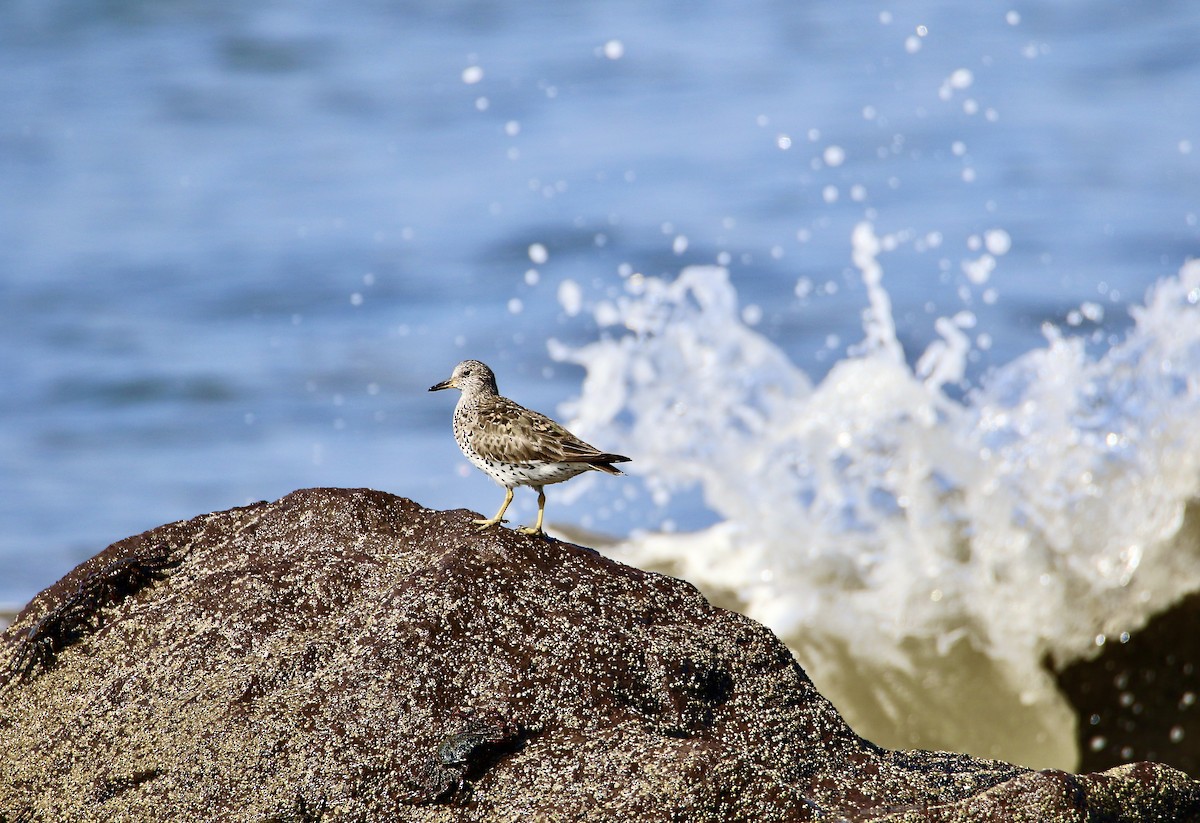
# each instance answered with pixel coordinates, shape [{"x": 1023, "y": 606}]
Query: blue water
[{"x": 239, "y": 241}]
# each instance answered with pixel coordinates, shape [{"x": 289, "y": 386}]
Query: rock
[
  {"x": 1139, "y": 698},
  {"x": 346, "y": 655}
]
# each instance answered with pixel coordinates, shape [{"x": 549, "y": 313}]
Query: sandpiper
[{"x": 514, "y": 445}]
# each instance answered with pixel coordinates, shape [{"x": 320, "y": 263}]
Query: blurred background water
[{"x": 238, "y": 242}]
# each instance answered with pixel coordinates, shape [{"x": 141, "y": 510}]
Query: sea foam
[{"x": 923, "y": 556}]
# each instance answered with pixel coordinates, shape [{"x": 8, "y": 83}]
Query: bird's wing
[{"x": 514, "y": 433}]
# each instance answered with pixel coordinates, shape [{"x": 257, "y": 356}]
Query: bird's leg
[
  {"x": 536, "y": 529},
  {"x": 499, "y": 518}
]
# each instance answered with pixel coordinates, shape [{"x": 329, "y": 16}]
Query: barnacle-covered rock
[{"x": 346, "y": 655}]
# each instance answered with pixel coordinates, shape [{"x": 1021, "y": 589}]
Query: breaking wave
[{"x": 923, "y": 556}]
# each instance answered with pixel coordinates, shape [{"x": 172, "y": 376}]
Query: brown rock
[
  {"x": 1139, "y": 698},
  {"x": 347, "y": 655}
]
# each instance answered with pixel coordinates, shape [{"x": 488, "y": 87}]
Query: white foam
[{"x": 878, "y": 525}]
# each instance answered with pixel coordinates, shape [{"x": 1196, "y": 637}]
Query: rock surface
[
  {"x": 1139, "y": 698},
  {"x": 346, "y": 655}
]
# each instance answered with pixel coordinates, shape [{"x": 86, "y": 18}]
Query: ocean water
[{"x": 890, "y": 303}]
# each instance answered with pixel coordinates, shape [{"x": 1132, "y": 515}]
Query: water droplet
[{"x": 614, "y": 49}]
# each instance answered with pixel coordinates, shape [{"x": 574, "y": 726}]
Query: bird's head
[{"x": 470, "y": 376}]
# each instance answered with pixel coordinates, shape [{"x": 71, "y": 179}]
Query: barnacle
[{"x": 80, "y": 613}]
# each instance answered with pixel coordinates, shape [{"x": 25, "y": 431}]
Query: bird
[{"x": 516, "y": 446}]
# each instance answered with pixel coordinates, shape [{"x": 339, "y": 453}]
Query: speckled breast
[{"x": 536, "y": 473}]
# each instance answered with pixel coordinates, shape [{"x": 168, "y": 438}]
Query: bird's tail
[{"x": 604, "y": 462}]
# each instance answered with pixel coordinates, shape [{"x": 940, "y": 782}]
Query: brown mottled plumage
[{"x": 514, "y": 445}]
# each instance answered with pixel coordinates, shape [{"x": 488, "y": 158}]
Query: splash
[{"x": 922, "y": 556}]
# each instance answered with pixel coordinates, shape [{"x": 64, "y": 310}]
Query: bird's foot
[
  {"x": 532, "y": 531},
  {"x": 487, "y": 524}
]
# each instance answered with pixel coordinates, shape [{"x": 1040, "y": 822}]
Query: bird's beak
[{"x": 445, "y": 384}]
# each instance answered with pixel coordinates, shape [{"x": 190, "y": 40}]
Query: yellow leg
[
  {"x": 499, "y": 518},
  {"x": 536, "y": 529}
]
